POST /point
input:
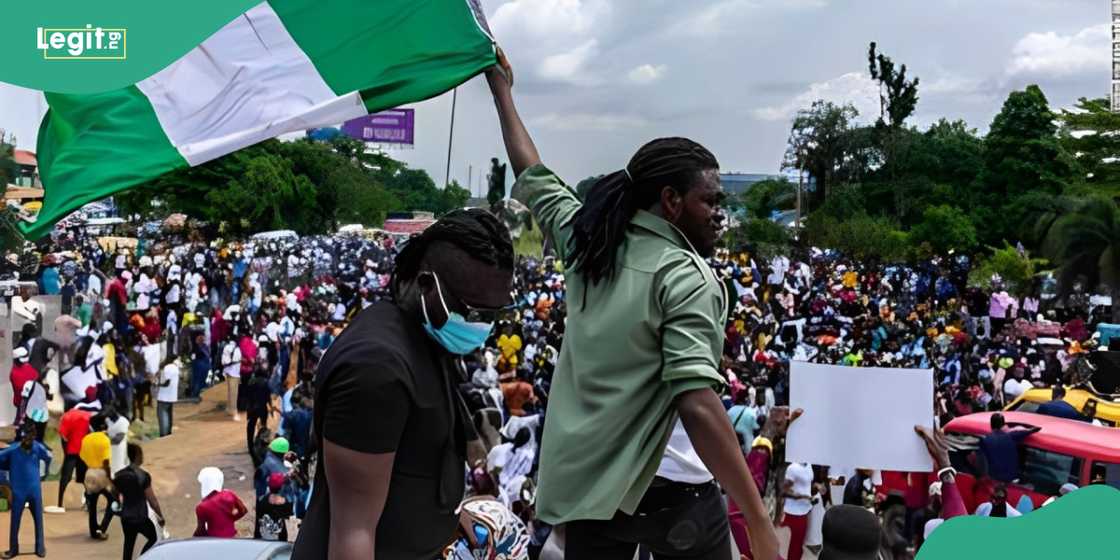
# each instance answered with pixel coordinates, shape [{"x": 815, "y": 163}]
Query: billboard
[{"x": 394, "y": 126}]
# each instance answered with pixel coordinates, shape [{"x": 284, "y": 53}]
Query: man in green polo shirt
[{"x": 635, "y": 429}]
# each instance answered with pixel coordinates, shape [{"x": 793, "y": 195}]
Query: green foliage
[
  {"x": 1085, "y": 244},
  {"x": 1017, "y": 270},
  {"x": 1022, "y": 152},
  {"x": 496, "y": 182},
  {"x": 764, "y": 197},
  {"x": 763, "y": 236},
  {"x": 819, "y": 142},
  {"x": 9, "y": 170},
  {"x": 1090, "y": 134},
  {"x": 306, "y": 186},
  {"x": 945, "y": 228},
  {"x": 860, "y": 236},
  {"x": 898, "y": 97}
]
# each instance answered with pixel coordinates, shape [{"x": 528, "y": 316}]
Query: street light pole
[{"x": 450, "y": 137}]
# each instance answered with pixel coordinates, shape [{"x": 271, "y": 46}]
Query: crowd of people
[
  {"x": 386, "y": 362},
  {"x": 258, "y": 316}
]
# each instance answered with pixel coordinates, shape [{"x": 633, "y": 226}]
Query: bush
[
  {"x": 860, "y": 237},
  {"x": 944, "y": 228},
  {"x": 1016, "y": 269}
]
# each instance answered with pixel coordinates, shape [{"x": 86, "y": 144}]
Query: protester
[
  {"x": 167, "y": 395},
  {"x": 72, "y": 429},
  {"x": 1000, "y": 449},
  {"x": 664, "y": 205},
  {"x": 219, "y": 509},
  {"x": 448, "y": 287},
  {"x": 273, "y": 511},
  {"x": 134, "y": 491},
  {"x": 22, "y": 463},
  {"x": 96, "y": 454}
]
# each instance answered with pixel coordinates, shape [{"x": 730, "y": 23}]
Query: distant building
[
  {"x": 28, "y": 169},
  {"x": 738, "y": 183}
]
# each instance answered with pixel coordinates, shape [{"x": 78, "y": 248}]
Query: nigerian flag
[{"x": 282, "y": 66}]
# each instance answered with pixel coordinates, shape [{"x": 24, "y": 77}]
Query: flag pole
[{"x": 450, "y": 137}]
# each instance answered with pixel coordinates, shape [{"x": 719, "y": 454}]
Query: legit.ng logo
[{"x": 88, "y": 43}]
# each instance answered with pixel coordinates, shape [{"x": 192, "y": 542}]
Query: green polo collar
[{"x": 656, "y": 224}]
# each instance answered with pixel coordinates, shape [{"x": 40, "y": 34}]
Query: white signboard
[{"x": 860, "y": 417}]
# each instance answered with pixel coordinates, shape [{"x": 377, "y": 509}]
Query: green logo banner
[{"x": 70, "y": 46}]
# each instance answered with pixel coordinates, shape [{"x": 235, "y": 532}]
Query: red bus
[{"x": 1065, "y": 451}]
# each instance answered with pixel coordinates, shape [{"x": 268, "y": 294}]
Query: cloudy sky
[{"x": 597, "y": 78}]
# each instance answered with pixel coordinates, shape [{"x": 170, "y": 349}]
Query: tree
[
  {"x": 1022, "y": 152},
  {"x": 267, "y": 196},
  {"x": 9, "y": 169},
  {"x": 898, "y": 97},
  {"x": 818, "y": 143},
  {"x": 945, "y": 228},
  {"x": 1085, "y": 244},
  {"x": 1092, "y": 134},
  {"x": 496, "y": 182},
  {"x": 1016, "y": 269},
  {"x": 767, "y": 196}
]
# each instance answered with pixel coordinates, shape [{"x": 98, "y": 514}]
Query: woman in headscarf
[{"x": 219, "y": 509}]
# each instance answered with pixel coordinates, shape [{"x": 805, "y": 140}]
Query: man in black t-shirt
[
  {"x": 134, "y": 492},
  {"x": 390, "y": 428}
]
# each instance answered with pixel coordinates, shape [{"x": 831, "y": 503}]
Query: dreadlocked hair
[
  {"x": 599, "y": 226},
  {"x": 476, "y": 232}
]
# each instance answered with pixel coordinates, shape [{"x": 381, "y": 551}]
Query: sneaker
[{"x": 54, "y": 509}]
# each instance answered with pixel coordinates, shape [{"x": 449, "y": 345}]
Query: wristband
[{"x": 947, "y": 470}]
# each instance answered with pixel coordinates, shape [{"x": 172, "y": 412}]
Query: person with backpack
[{"x": 273, "y": 511}]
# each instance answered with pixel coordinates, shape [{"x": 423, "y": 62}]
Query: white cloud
[
  {"x": 569, "y": 66},
  {"x": 588, "y": 121},
  {"x": 1052, "y": 55},
  {"x": 547, "y": 18},
  {"x": 718, "y": 17},
  {"x": 855, "y": 88},
  {"x": 647, "y": 73}
]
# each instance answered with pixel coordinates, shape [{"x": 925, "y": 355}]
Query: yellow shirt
[
  {"x": 850, "y": 279},
  {"x": 110, "y": 359},
  {"x": 95, "y": 449}
]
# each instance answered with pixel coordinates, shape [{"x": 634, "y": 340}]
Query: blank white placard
[{"x": 861, "y": 417}]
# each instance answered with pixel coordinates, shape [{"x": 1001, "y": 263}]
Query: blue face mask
[{"x": 457, "y": 335}]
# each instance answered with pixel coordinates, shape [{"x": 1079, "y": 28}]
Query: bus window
[
  {"x": 962, "y": 452},
  {"x": 1025, "y": 406},
  {"x": 1110, "y": 472},
  {"x": 1047, "y": 471}
]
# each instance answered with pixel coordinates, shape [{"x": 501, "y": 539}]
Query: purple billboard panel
[{"x": 394, "y": 126}]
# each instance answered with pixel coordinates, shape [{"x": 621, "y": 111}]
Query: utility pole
[
  {"x": 450, "y": 137},
  {"x": 470, "y": 178}
]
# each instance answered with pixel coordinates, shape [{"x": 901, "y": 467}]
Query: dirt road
[{"x": 203, "y": 435}]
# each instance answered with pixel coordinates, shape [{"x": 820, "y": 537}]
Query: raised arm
[{"x": 520, "y": 148}]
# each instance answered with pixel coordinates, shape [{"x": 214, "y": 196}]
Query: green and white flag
[{"x": 282, "y": 66}]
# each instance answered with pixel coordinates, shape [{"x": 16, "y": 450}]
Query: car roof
[{"x": 1071, "y": 437}]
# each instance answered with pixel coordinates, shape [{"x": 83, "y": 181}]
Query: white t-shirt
[
  {"x": 170, "y": 393},
  {"x": 118, "y": 449},
  {"x": 35, "y": 395},
  {"x": 680, "y": 463},
  {"x": 801, "y": 475},
  {"x": 94, "y": 286},
  {"x": 119, "y": 262},
  {"x": 199, "y": 260},
  {"x": 231, "y": 360},
  {"x": 151, "y": 354}
]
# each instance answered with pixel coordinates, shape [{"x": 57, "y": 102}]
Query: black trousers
[
  {"x": 673, "y": 520},
  {"x": 131, "y": 530},
  {"x": 254, "y": 416},
  {"x": 91, "y": 506},
  {"x": 69, "y": 464}
]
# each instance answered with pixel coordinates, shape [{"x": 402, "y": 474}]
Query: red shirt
[
  {"x": 118, "y": 292},
  {"x": 215, "y": 512},
  {"x": 21, "y": 374},
  {"x": 74, "y": 426}
]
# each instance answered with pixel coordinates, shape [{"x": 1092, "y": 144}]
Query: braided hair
[
  {"x": 474, "y": 231},
  {"x": 599, "y": 226}
]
